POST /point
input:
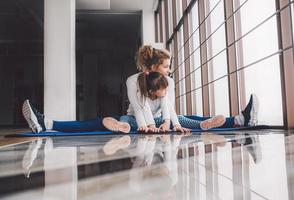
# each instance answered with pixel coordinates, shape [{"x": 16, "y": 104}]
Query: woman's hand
[
  {"x": 164, "y": 127},
  {"x": 179, "y": 128},
  {"x": 152, "y": 128}
]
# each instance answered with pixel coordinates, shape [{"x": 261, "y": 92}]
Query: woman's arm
[
  {"x": 171, "y": 91},
  {"x": 173, "y": 115},
  {"x": 164, "y": 106},
  {"x": 142, "y": 110},
  {"x": 132, "y": 95}
]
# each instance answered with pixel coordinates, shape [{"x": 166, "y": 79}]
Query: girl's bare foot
[
  {"x": 116, "y": 126},
  {"x": 213, "y": 122}
]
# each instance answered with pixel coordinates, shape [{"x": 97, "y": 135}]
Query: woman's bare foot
[
  {"x": 116, "y": 126},
  {"x": 213, "y": 122}
]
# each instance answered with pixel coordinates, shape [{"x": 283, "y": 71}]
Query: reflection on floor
[{"x": 241, "y": 165}]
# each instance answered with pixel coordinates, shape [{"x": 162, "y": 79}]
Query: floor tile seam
[
  {"x": 238, "y": 185},
  {"x": 224, "y": 176}
]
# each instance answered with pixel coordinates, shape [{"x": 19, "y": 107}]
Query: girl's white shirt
[{"x": 146, "y": 111}]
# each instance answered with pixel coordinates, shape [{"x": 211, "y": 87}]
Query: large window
[
  {"x": 258, "y": 45},
  {"x": 164, "y": 28},
  {"x": 179, "y": 10},
  {"x": 217, "y": 58},
  {"x": 170, "y": 18},
  {"x": 181, "y": 71},
  {"x": 195, "y": 63},
  {"x": 233, "y": 52}
]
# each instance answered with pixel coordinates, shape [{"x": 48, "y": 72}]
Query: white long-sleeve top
[{"x": 146, "y": 111}]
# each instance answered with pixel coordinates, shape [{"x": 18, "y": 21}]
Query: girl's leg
[
  {"x": 213, "y": 122},
  {"x": 188, "y": 122},
  {"x": 116, "y": 126},
  {"x": 131, "y": 120},
  {"x": 228, "y": 124},
  {"x": 158, "y": 121}
]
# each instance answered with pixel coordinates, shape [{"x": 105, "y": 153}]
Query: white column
[
  {"x": 148, "y": 27},
  {"x": 59, "y": 60}
]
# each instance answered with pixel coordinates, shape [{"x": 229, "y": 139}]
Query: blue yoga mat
[{"x": 194, "y": 131}]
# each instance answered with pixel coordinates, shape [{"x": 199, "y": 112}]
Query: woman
[{"x": 148, "y": 59}]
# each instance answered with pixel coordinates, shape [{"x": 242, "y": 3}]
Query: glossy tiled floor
[{"x": 242, "y": 165}]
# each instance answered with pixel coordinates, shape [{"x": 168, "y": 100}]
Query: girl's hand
[
  {"x": 179, "y": 128},
  {"x": 143, "y": 129},
  {"x": 164, "y": 127},
  {"x": 153, "y": 128}
]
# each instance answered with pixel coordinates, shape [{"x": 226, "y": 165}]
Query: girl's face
[
  {"x": 159, "y": 93},
  {"x": 163, "y": 68}
]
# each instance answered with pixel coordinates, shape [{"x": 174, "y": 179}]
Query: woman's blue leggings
[
  {"x": 80, "y": 126},
  {"x": 96, "y": 124}
]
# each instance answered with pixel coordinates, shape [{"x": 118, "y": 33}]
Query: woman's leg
[
  {"x": 79, "y": 126},
  {"x": 196, "y": 117},
  {"x": 38, "y": 122},
  {"x": 34, "y": 118},
  {"x": 248, "y": 116}
]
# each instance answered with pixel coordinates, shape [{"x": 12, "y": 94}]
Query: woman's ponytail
[
  {"x": 144, "y": 57},
  {"x": 143, "y": 85},
  {"x": 147, "y": 56}
]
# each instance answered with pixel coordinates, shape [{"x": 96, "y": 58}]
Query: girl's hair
[
  {"x": 151, "y": 82},
  {"x": 148, "y": 56}
]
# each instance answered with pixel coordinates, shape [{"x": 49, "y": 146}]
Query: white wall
[{"x": 59, "y": 59}]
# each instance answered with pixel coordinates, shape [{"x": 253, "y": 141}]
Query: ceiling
[{"x": 117, "y": 5}]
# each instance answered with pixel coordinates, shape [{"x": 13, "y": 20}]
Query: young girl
[{"x": 153, "y": 92}]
